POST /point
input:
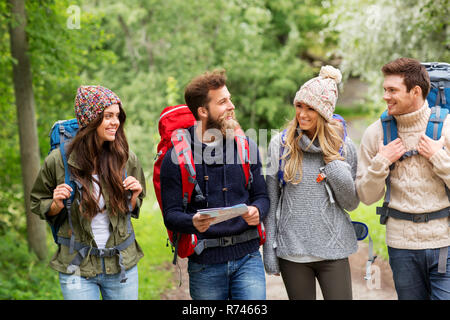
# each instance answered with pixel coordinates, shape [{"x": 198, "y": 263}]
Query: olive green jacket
[{"x": 51, "y": 175}]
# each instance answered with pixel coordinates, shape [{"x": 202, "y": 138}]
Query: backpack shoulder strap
[
  {"x": 68, "y": 179},
  {"x": 280, "y": 164},
  {"x": 389, "y": 134},
  {"x": 67, "y": 175},
  {"x": 65, "y": 135},
  {"x": 341, "y": 119},
  {"x": 61, "y": 132},
  {"x": 436, "y": 122},
  {"x": 434, "y": 128},
  {"x": 182, "y": 147},
  {"x": 244, "y": 155},
  {"x": 389, "y": 127}
]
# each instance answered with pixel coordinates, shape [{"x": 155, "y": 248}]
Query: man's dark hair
[
  {"x": 196, "y": 92},
  {"x": 413, "y": 73}
]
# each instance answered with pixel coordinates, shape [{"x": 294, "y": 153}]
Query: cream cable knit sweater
[{"x": 417, "y": 184}]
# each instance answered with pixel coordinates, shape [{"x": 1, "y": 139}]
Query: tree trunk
[
  {"x": 29, "y": 146},
  {"x": 129, "y": 42}
]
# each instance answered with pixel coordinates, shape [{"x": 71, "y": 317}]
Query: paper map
[{"x": 226, "y": 213}]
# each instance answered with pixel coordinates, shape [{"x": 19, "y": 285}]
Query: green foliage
[
  {"x": 171, "y": 91},
  {"x": 370, "y": 33},
  {"x": 155, "y": 267},
  {"x": 258, "y": 42},
  {"x": 22, "y": 277},
  {"x": 359, "y": 110},
  {"x": 10, "y": 177},
  {"x": 58, "y": 56},
  {"x": 11, "y": 193}
]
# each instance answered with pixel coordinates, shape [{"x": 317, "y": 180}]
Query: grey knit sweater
[{"x": 308, "y": 223}]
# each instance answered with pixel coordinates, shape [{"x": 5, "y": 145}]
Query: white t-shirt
[{"x": 100, "y": 222}]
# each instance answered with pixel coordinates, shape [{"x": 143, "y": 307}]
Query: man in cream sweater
[{"x": 418, "y": 251}]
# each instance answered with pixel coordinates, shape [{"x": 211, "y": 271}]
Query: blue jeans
[
  {"x": 75, "y": 287},
  {"x": 416, "y": 274},
  {"x": 242, "y": 279}
]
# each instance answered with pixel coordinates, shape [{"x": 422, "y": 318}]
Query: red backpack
[{"x": 173, "y": 122}]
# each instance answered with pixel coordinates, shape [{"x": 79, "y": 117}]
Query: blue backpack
[
  {"x": 62, "y": 132},
  {"x": 361, "y": 229},
  {"x": 439, "y": 94}
]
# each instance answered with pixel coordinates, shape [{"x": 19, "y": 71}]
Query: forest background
[{"x": 147, "y": 51}]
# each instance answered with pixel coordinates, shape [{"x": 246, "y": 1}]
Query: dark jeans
[
  {"x": 416, "y": 274},
  {"x": 334, "y": 277}
]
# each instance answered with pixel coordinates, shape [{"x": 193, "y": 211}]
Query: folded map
[{"x": 226, "y": 213}]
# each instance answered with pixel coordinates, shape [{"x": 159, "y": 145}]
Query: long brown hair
[
  {"x": 108, "y": 160},
  {"x": 330, "y": 135}
]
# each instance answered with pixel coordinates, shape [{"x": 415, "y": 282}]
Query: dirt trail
[{"x": 381, "y": 287}]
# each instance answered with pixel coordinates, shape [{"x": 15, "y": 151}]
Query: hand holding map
[{"x": 226, "y": 213}]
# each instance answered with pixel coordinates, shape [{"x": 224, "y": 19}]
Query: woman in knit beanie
[
  {"x": 97, "y": 249},
  {"x": 310, "y": 183}
]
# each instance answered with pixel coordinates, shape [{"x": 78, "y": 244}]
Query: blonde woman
[{"x": 309, "y": 233}]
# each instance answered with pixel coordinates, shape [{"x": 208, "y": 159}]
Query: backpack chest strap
[
  {"x": 226, "y": 241},
  {"x": 414, "y": 217},
  {"x": 84, "y": 250}
]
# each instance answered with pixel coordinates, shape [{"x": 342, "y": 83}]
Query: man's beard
[{"x": 224, "y": 125}]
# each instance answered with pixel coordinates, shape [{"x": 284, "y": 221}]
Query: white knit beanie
[{"x": 321, "y": 93}]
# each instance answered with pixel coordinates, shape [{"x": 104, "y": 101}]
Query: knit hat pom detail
[{"x": 331, "y": 72}]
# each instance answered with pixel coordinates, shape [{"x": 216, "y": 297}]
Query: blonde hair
[{"x": 331, "y": 138}]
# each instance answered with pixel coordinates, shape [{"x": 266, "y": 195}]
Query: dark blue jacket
[{"x": 225, "y": 187}]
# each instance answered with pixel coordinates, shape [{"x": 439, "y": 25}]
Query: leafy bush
[{"x": 22, "y": 277}]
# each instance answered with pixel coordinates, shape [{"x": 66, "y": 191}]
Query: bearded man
[{"x": 233, "y": 268}]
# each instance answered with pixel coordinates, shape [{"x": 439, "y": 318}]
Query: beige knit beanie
[{"x": 321, "y": 93}]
